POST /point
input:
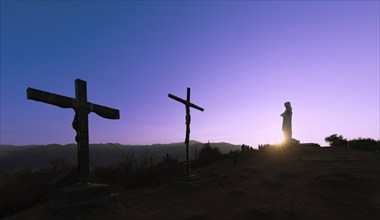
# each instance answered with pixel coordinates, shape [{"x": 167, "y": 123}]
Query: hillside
[
  {"x": 40, "y": 156},
  {"x": 282, "y": 183}
]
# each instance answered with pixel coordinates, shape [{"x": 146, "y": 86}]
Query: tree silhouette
[
  {"x": 209, "y": 155},
  {"x": 366, "y": 144},
  {"x": 336, "y": 140}
]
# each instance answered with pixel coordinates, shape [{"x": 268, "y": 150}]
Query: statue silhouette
[{"x": 287, "y": 122}]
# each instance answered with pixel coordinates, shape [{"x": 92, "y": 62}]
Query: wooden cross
[
  {"x": 82, "y": 108},
  {"x": 187, "y": 104}
]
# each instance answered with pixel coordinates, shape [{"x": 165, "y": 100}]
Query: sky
[{"x": 242, "y": 60}]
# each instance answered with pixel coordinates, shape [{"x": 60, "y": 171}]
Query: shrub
[
  {"x": 336, "y": 140},
  {"x": 209, "y": 155},
  {"x": 366, "y": 144},
  {"x": 22, "y": 189},
  {"x": 127, "y": 176}
]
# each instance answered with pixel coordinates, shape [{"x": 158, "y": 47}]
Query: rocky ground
[{"x": 281, "y": 183}]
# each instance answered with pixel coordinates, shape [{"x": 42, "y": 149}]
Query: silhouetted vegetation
[
  {"x": 207, "y": 155},
  {"x": 127, "y": 176},
  {"x": 366, "y": 144},
  {"x": 336, "y": 140},
  {"x": 102, "y": 155},
  {"x": 23, "y": 189}
]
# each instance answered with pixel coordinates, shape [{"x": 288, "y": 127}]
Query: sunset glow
[{"x": 241, "y": 59}]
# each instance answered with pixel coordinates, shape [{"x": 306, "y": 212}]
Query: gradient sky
[{"x": 242, "y": 60}]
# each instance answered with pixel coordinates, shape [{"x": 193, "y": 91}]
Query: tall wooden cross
[
  {"x": 187, "y": 104},
  {"x": 80, "y": 123}
]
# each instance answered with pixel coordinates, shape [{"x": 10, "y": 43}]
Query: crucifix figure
[
  {"x": 80, "y": 123},
  {"x": 187, "y": 104}
]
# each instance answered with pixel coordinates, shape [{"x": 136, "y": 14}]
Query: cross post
[
  {"x": 187, "y": 104},
  {"x": 80, "y": 123}
]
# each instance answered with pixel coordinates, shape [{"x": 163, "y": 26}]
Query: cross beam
[
  {"x": 188, "y": 105},
  {"x": 80, "y": 123}
]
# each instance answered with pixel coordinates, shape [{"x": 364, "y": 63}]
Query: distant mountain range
[{"x": 33, "y": 157}]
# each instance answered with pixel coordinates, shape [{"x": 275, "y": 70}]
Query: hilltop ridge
[
  {"x": 110, "y": 154},
  {"x": 275, "y": 183}
]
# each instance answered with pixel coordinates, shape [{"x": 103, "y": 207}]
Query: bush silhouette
[
  {"x": 23, "y": 189},
  {"x": 336, "y": 140},
  {"x": 129, "y": 176},
  {"x": 366, "y": 144},
  {"x": 208, "y": 155}
]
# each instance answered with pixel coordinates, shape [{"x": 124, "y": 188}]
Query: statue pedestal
[{"x": 78, "y": 196}]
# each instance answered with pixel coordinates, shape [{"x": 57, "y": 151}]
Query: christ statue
[{"x": 287, "y": 122}]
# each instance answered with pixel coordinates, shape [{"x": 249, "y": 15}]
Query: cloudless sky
[{"x": 242, "y": 60}]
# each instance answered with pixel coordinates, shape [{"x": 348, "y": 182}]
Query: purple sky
[{"x": 242, "y": 60}]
